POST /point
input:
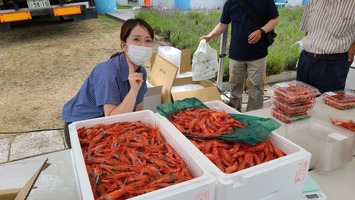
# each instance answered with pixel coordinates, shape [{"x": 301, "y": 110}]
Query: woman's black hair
[{"x": 127, "y": 28}]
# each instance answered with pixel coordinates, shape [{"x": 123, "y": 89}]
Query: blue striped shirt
[
  {"x": 107, "y": 84},
  {"x": 330, "y": 26}
]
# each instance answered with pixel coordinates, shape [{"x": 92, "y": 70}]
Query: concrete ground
[{"x": 24, "y": 145}]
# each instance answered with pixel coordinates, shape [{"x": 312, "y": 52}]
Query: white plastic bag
[{"x": 204, "y": 62}]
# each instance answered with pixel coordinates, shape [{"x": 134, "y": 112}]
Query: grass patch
[
  {"x": 107, "y": 20},
  {"x": 184, "y": 29},
  {"x": 123, "y": 7}
]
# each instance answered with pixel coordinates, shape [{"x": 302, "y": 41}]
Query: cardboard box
[
  {"x": 22, "y": 193},
  {"x": 281, "y": 178},
  {"x": 185, "y": 62},
  {"x": 207, "y": 92},
  {"x": 202, "y": 186},
  {"x": 164, "y": 73}
]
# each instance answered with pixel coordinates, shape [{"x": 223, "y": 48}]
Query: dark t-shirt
[{"x": 243, "y": 26}]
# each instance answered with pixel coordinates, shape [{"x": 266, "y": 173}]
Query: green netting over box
[{"x": 256, "y": 129}]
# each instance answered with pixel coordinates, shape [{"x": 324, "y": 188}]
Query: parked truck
[{"x": 12, "y": 11}]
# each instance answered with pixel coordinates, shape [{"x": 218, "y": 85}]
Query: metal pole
[{"x": 222, "y": 54}]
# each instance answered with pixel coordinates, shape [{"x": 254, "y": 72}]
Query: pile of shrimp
[
  {"x": 204, "y": 122},
  {"x": 228, "y": 156},
  {"x": 350, "y": 124},
  {"x": 231, "y": 157},
  {"x": 127, "y": 159}
]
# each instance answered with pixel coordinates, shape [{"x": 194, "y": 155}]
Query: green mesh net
[{"x": 256, "y": 129}]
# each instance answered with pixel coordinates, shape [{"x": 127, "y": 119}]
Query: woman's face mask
[{"x": 139, "y": 54}]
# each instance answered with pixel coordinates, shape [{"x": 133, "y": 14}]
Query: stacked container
[
  {"x": 292, "y": 100},
  {"x": 202, "y": 186},
  {"x": 342, "y": 99},
  {"x": 330, "y": 146},
  {"x": 278, "y": 179}
]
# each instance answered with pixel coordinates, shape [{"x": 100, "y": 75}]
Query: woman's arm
[
  {"x": 140, "y": 106},
  {"x": 127, "y": 105}
]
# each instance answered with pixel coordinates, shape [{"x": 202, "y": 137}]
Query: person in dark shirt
[
  {"x": 117, "y": 85},
  {"x": 248, "y": 48}
]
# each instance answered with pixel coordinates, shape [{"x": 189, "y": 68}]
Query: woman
[{"x": 117, "y": 85}]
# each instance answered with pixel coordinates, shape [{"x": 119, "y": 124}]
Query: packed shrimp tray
[
  {"x": 135, "y": 156},
  {"x": 280, "y": 177},
  {"x": 342, "y": 100}
]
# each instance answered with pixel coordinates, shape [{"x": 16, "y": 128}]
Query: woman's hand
[
  {"x": 254, "y": 37},
  {"x": 135, "y": 80}
]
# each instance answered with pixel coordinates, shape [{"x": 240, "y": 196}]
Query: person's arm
[
  {"x": 270, "y": 25},
  {"x": 255, "y": 36},
  {"x": 126, "y": 106},
  {"x": 351, "y": 53},
  {"x": 218, "y": 30},
  {"x": 140, "y": 106},
  {"x": 128, "y": 103}
]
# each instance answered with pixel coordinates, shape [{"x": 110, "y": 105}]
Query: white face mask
[{"x": 139, "y": 54}]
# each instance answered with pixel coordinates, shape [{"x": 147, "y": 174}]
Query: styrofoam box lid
[
  {"x": 202, "y": 186},
  {"x": 330, "y": 146},
  {"x": 261, "y": 181}
]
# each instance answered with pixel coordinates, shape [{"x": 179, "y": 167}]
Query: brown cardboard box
[
  {"x": 208, "y": 92},
  {"x": 22, "y": 193},
  {"x": 185, "y": 62},
  {"x": 164, "y": 73}
]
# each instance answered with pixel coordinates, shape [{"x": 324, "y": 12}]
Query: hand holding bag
[{"x": 204, "y": 62}]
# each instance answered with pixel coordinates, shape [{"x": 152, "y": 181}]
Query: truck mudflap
[
  {"x": 15, "y": 16},
  {"x": 72, "y": 11}
]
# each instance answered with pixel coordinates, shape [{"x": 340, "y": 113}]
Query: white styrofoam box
[
  {"x": 279, "y": 179},
  {"x": 350, "y": 79},
  {"x": 152, "y": 97},
  {"x": 330, "y": 146},
  {"x": 187, "y": 87},
  {"x": 172, "y": 54},
  {"x": 202, "y": 186}
]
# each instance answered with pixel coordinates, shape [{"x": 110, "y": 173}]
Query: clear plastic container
[
  {"x": 287, "y": 118},
  {"x": 330, "y": 147},
  {"x": 295, "y": 92},
  {"x": 341, "y": 100},
  {"x": 293, "y": 109}
]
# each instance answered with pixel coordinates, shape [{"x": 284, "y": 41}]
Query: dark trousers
[
  {"x": 325, "y": 75},
  {"x": 66, "y": 134}
]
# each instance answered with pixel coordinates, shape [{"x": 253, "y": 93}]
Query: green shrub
[{"x": 184, "y": 29}]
